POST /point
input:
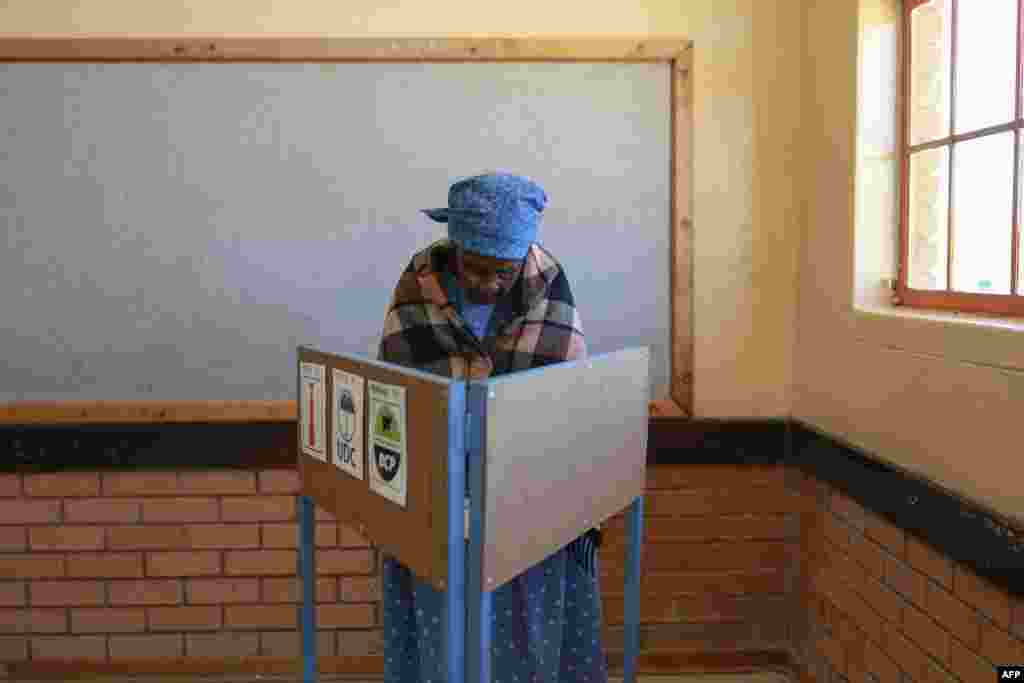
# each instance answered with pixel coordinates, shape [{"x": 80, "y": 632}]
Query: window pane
[
  {"x": 928, "y": 194},
  {"x": 930, "y": 40},
  {"x": 986, "y": 59},
  {"x": 982, "y": 214}
]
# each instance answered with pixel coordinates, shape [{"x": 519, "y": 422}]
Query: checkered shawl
[{"x": 535, "y": 324}]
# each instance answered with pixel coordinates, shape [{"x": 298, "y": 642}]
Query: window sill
[{"x": 960, "y": 337}]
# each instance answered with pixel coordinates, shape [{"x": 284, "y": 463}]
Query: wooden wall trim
[
  {"x": 674, "y": 50},
  {"x": 43, "y": 413}
]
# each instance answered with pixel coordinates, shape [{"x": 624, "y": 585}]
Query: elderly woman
[{"x": 490, "y": 300}]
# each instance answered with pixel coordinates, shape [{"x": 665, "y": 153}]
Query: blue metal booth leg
[
  {"x": 306, "y": 531},
  {"x": 632, "y": 607}
]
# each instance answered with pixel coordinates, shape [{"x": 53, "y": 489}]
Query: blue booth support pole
[
  {"x": 306, "y": 531},
  {"x": 632, "y": 606},
  {"x": 477, "y": 597},
  {"x": 456, "y": 587}
]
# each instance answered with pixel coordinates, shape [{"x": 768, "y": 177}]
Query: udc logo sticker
[
  {"x": 390, "y": 456},
  {"x": 348, "y": 423}
]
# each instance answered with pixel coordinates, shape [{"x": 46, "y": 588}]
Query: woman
[{"x": 490, "y": 300}]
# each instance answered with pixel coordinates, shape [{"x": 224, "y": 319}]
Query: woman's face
[{"x": 484, "y": 278}]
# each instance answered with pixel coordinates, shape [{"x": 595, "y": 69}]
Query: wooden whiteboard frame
[{"x": 677, "y": 52}]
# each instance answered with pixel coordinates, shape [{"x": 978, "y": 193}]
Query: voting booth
[{"x": 470, "y": 483}]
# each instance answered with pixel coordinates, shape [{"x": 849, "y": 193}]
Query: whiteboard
[{"x": 174, "y": 231}]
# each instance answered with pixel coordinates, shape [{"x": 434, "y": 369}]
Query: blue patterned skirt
[{"x": 546, "y": 626}]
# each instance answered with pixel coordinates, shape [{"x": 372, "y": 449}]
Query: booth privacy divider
[{"x": 517, "y": 465}]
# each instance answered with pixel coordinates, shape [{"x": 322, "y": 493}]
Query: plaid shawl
[{"x": 535, "y": 324}]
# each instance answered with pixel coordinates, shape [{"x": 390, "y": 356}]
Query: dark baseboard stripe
[{"x": 960, "y": 529}]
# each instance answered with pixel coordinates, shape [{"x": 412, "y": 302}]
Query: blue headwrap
[{"x": 496, "y": 214}]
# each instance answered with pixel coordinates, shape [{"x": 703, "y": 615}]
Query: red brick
[
  {"x": 223, "y": 591},
  {"x": 927, "y": 634},
  {"x": 969, "y": 666},
  {"x": 695, "y": 583},
  {"x": 713, "y": 476},
  {"x": 323, "y": 515},
  {"x": 107, "y": 620},
  {"x": 837, "y": 531},
  {"x": 926, "y": 560},
  {"x": 140, "y": 483},
  {"x": 33, "y": 621},
  {"x": 224, "y": 536},
  {"x": 987, "y": 598},
  {"x": 145, "y": 592},
  {"x": 23, "y": 511},
  {"x": 760, "y": 499},
  {"x": 344, "y": 562},
  {"x": 879, "y": 663},
  {"x": 105, "y": 565},
  {"x": 999, "y": 647},
  {"x": 259, "y": 508},
  {"x": 13, "y": 649},
  {"x": 62, "y": 484},
  {"x": 261, "y": 616},
  {"x": 360, "y": 588},
  {"x": 69, "y": 647},
  {"x": 13, "y": 539},
  {"x": 149, "y": 646},
  {"x": 348, "y": 537},
  {"x": 287, "y": 535},
  {"x": 290, "y": 590},
  {"x": 907, "y": 581},
  {"x": 191, "y": 618},
  {"x": 59, "y": 593},
  {"x": 957, "y": 617},
  {"x": 215, "y": 482},
  {"x": 31, "y": 567},
  {"x": 199, "y": 563},
  {"x": 859, "y": 611},
  {"x": 280, "y": 481},
  {"x": 882, "y": 599},
  {"x": 66, "y": 538},
  {"x": 289, "y": 644},
  {"x": 911, "y": 659},
  {"x": 1017, "y": 616},
  {"x": 869, "y": 555},
  {"x": 10, "y": 485},
  {"x": 180, "y": 510},
  {"x": 260, "y": 562},
  {"x": 101, "y": 511},
  {"x": 13, "y": 593},
  {"x": 222, "y": 644},
  {"x": 883, "y": 532},
  {"x": 653, "y": 610},
  {"x": 832, "y": 650},
  {"x": 147, "y": 537},
  {"x": 360, "y": 643},
  {"x": 345, "y": 616},
  {"x": 704, "y": 528}
]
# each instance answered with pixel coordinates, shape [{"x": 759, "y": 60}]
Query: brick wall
[
  {"x": 203, "y": 564},
  {"x": 881, "y": 606},
  {"x": 718, "y": 564},
  {"x": 171, "y": 564}
]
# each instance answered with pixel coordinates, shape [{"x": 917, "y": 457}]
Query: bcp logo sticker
[{"x": 389, "y": 461}]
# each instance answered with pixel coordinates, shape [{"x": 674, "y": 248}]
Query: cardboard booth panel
[
  {"x": 403, "y": 434},
  {"x": 566, "y": 448}
]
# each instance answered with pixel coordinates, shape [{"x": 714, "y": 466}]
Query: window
[{"x": 962, "y": 156}]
